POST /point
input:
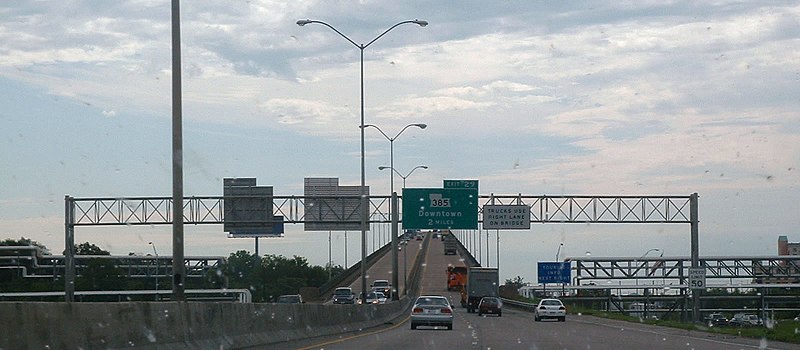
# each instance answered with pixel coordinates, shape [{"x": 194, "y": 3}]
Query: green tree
[
  {"x": 22, "y": 241},
  {"x": 271, "y": 275},
  {"x": 511, "y": 287},
  {"x": 97, "y": 273},
  {"x": 87, "y": 248}
]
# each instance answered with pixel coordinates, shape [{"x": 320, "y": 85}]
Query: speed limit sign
[{"x": 697, "y": 278}]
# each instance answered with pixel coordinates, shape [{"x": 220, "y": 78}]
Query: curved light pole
[
  {"x": 364, "y": 203},
  {"x": 559, "y": 250},
  {"x": 648, "y": 252},
  {"x": 391, "y": 150},
  {"x": 401, "y": 175},
  {"x": 642, "y": 257}
]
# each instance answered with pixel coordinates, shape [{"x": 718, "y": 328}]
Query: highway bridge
[{"x": 229, "y": 325}]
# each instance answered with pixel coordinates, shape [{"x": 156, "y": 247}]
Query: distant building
[
  {"x": 786, "y": 248},
  {"x": 786, "y": 271}
]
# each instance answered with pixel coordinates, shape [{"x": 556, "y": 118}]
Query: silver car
[
  {"x": 550, "y": 308},
  {"x": 432, "y": 310}
]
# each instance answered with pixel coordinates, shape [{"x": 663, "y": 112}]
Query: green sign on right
[{"x": 440, "y": 208}]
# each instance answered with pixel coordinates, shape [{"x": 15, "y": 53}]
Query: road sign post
[
  {"x": 554, "y": 272},
  {"x": 506, "y": 217},
  {"x": 697, "y": 278}
]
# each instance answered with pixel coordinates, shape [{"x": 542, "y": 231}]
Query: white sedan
[
  {"x": 550, "y": 308},
  {"x": 432, "y": 310}
]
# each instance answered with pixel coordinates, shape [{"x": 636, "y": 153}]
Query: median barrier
[{"x": 180, "y": 325}]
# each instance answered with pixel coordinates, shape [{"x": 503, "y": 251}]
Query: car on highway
[
  {"x": 432, "y": 310},
  {"x": 490, "y": 305},
  {"x": 744, "y": 320},
  {"x": 290, "y": 299},
  {"x": 716, "y": 320},
  {"x": 550, "y": 308},
  {"x": 343, "y": 295},
  {"x": 384, "y": 286},
  {"x": 374, "y": 297}
]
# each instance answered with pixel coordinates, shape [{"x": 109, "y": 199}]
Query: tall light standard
[
  {"x": 405, "y": 272},
  {"x": 642, "y": 257},
  {"x": 156, "y": 253},
  {"x": 364, "y": 199}
]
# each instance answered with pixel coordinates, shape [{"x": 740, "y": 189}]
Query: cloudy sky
[{"x": 583, "y": 98}]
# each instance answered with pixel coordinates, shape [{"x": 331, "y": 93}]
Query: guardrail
[
  {"x": 412, "y": 289},
  {"x": 234, "y": 295},
  {"x": 350, "y": 274}
]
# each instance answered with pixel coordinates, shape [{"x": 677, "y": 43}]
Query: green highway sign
[
  {"x": 467, "y": 184},
  {"x": 440, "y": 208}
]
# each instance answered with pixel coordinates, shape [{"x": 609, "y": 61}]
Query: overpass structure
[
  {"x": 31, "y": 262},
  {"x": 751, "y": 269},
  {"x": 189, "y": 325}
]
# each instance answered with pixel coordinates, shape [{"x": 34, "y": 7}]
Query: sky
[{"x": 528, "y": 97}]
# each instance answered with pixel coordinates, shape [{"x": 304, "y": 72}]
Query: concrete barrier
[{"x": 180, "y": 325}]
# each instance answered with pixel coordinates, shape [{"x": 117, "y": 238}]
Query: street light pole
[
  {"x": 394, "y": 220},
  {"x": 364, "y": 199},
  {"x": 156, "y": 253},
  {"x": 393, "y": 200},
  {"x": 559, "y": 250}
]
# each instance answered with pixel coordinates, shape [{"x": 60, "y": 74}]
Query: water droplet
[{"x": 150, "y": 336}]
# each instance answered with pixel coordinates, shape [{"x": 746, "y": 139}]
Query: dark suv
[{"x": 344, "y": 295}]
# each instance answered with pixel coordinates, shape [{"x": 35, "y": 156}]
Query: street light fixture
[
  {"x": 364, "y": 203},
  {"x": 559, "y": 250}
]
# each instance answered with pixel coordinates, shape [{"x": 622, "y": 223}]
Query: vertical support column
[
  {"x": 497, "y": 248},
  {"x": 364, "y": 199},
  {"x": 684, "y": 291},
  {"x": 395, "y": 229},
  {"x": 69, "y": 249},
  {"x": 693, "y": 218},
  {"x": 178, "y": 267},
  {"x": 330, "y": 260}
]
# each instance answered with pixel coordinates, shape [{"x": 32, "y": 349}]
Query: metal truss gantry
[
  {"x": 210, "y": 209},
  {"x": 758, "y": 269},
  {"x": 544, "y": 209}
]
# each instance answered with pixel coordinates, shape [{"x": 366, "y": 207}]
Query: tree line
[{"x": 267, "y": 277}]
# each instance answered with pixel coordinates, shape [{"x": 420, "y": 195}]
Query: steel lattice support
[
  {"x": 768, "y": 269},
  {"x": 553, "y": 209},
  {"x": 133, "y": 211}
]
